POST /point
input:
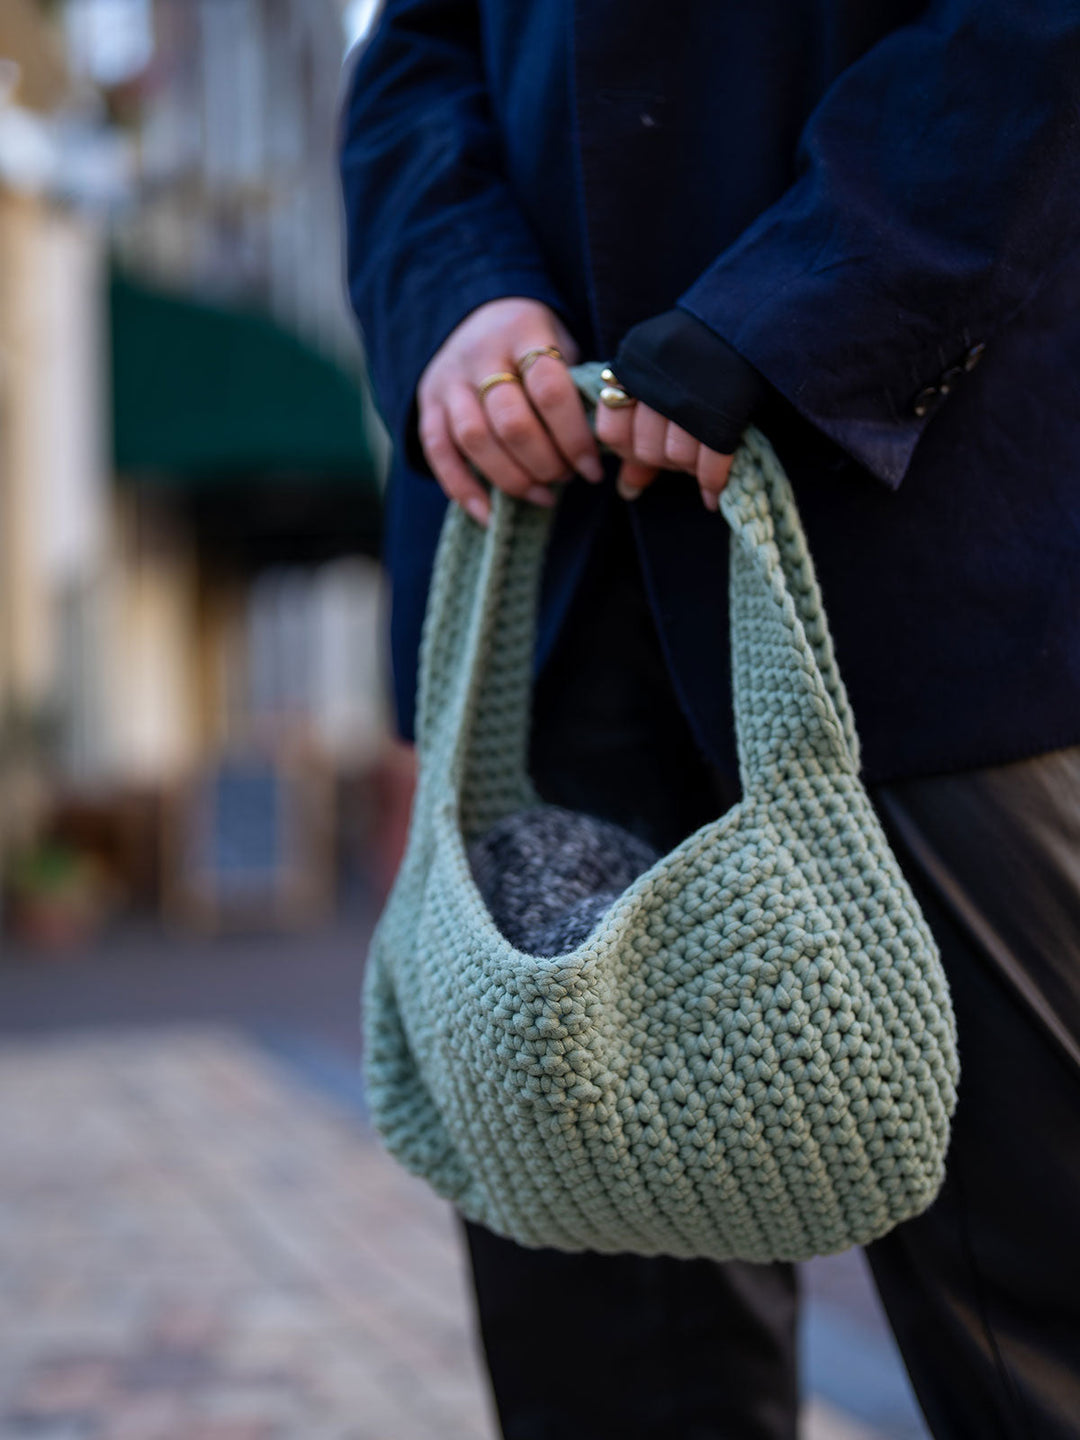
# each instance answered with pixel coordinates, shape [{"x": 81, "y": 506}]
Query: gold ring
[
  {"x": 500, "y": 377},
  {"x": 531, "y": 356},
  {"x": 613, "y": 395}
]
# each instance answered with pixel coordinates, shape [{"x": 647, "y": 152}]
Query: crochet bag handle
[{"x": 791, "y": 708}]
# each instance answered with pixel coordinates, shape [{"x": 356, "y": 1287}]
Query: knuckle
[
  {"x": 650, "y": 454},
  {"x": 432, "y": 436},
  {"x": 435, "y": 380},
  {"x": 472, "y": 435},
  {"x": 442, "y": 463},
  {"x": 516, "y": 428},
  {"x": 440, "y": 457},
  {"x": 548, "y": 388}
]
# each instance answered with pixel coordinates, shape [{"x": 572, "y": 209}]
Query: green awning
[{"x": 203, "y": 394}]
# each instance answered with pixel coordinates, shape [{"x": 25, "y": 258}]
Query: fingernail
[
  {"x": 540, "y": 495},
  {"x": 479, "y": 509},
  {"x": 628, "y": 492},
  {"x": 710, "y": 501},
  {"x": 591, "y": 468}
]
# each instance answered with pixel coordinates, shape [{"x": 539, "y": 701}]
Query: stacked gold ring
[
  {"x": 500, "y": 377},
  {"x": 531, "y": 356}
]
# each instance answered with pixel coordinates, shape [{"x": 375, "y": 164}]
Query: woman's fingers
[
  {"x": 521, "y": 432},
  {"x": 555, "y": 399},
  {"x": 636, "y": 434},
  {"x": 713, "y": 470},
  {"x": 474, "y": 437},
  {"x": 681, "y": 450},
  {"x": 525, "y": 436},
  {"x": 464, "y": 431},
  {"x": 615, "y": 428},
  {"x": 634, "y": 476},
  {"x": 452, "y": 472},
  {"x": 519, "y": 439},
  {"x": 649, "y": 436},
  {"x": 647, "y": 443}
]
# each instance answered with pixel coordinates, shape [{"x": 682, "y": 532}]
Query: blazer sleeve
[
  {"x": 432, "y": 229},
  {"x": 938, "y": 186}
]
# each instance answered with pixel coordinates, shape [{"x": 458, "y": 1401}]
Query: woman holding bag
[{"x": 863, "y": 234}]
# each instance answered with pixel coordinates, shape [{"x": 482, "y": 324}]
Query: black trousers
[{"x": 983, "y": 1291}]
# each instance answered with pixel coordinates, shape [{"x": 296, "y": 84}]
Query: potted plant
[{"x": 56, "y": 895}]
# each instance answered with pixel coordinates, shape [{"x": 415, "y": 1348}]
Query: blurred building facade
[
  {"x": 238, "y": 187},
  {"x": 164, "y": 605}
]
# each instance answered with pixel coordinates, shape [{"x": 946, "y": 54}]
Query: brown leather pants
[{"x": 983, "y": 1291}]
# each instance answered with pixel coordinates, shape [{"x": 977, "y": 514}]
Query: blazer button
[
  {"x": 950, "y": 377},
  {"x": 973, "y": 356},
  {"x": 925, "y": 401}
]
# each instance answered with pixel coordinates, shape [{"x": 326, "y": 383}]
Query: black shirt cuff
[{"x": 689, "y": 374}]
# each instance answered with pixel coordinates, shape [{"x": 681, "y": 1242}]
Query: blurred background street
[
  {"x": 201, "y": 1240},
  {"x": 191, "y": 705},
  {"x": 201, "y": 805}
]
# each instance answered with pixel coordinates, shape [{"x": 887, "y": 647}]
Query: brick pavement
[{"x": 196, "y": 1246}]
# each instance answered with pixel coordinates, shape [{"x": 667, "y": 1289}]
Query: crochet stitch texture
[{"x": 753, "y": 1053}]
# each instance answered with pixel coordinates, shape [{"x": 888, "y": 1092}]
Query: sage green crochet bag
[{"x": 753, "y": 1054}]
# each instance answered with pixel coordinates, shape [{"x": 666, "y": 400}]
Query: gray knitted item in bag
[{"x": 549, "y": 875}]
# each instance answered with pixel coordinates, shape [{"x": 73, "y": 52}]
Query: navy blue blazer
[{"x": 877, "y": 204}]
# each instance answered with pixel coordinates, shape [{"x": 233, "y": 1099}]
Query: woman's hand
[
  {"x": 648, "y": 443},
  {"x": 695, "y": 395},
  {"x": 523, "y": 436}
]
